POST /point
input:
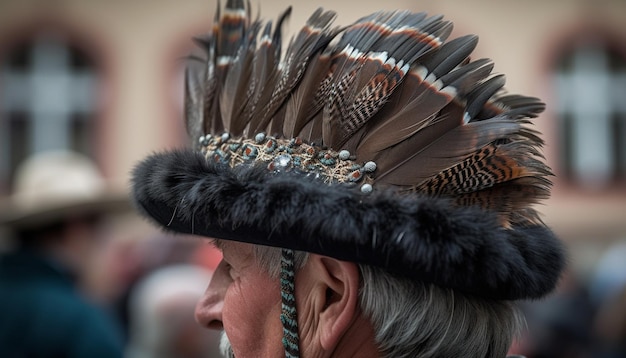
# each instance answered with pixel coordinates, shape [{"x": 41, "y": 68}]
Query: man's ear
[{"x": 338, "y": 281}]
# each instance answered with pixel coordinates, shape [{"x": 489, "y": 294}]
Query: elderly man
[{"x": 371, "y": 191}]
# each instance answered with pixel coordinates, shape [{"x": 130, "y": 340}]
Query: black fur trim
[{"x": 421, "y": 238}]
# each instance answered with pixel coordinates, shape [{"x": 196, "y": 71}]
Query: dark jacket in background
[{"x": 43, "y": 315}]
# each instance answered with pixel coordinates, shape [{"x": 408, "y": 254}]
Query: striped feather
[{"x": 389, "y": 88}]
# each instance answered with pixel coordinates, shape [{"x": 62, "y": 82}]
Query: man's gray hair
[{"x": 419, "y": 320}]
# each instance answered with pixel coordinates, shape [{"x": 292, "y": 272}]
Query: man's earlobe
[{"x": 341, "y": 282}]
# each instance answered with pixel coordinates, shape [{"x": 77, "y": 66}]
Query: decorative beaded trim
[{"x": 288, "y": 154}]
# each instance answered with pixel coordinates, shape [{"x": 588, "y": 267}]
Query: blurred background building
[{"x": 105, "y": 78}]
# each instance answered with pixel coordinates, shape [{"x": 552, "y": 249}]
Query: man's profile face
[{"x": 245, "y": 301}]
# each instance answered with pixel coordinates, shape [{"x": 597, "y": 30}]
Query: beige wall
[{"x": 141, "y": 41}]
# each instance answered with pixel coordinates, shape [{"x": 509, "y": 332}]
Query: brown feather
[
  {"x": 439, "y": 146},
  {"x": 194, "y": 98},
  {"x": 234, "y": 95},
  {"x": 263, "y": 67},
  {"x": 417, "y": 103},
  {"x": 305, "y": 102},
  {"x": 311, "y": 39}
]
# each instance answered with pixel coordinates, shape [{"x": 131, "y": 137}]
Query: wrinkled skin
[{"x": 244, "y": 301}]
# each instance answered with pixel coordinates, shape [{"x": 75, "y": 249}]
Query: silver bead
[
  {"x": 225, "y": 137},
  {"x": 205, "y": 140},
  {"x": 201, "y": 139},
  {"x": 344, "y": 155},
  {"x": 282, "y": 161},
  {"x": 259, "y": 137},
  {"x": 366, "y": 188},
  {"x": 369, "y": 167}
]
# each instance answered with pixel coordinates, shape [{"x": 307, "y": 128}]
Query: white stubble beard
[{"x": 225, "y": 347}]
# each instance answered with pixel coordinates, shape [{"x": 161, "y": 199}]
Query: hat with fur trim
[{"x": 380, "y": 143}]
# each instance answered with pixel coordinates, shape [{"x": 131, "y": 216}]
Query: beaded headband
[{"x": 283, "y": 155}]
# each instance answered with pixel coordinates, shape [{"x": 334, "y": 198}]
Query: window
[
  {"x": 47, "y": 100},
  {"x": 591, "y": 88}
]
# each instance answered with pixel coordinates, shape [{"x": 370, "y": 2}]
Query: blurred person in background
[
  {"x": 561, "y": 325},
  {"x": 54, "y": 218},
  {"x": 608, "y": 292},
  {"x": 586, "y": 317},
  {"x": 610, "y": 327},
  {"x": 130, "y": 262},
  {"x": 162, "y": 323}
]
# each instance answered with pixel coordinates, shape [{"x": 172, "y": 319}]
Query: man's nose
[{"x": 209, "y": 308}]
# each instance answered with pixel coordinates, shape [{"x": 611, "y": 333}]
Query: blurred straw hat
[{"x": 50, "y": 186}]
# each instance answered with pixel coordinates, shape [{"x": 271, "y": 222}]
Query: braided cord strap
[{"x": 288, "y": 315}]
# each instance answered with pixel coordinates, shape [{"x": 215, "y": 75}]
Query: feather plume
[{"x": 389, "y": 88}]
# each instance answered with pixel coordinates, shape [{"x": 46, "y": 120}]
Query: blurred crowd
[
  {"x": 585, "y": 318},
  {"x": 81, "y": 275}
]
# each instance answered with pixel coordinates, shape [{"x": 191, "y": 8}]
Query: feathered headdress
[{"x": 378, "y": 143}]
